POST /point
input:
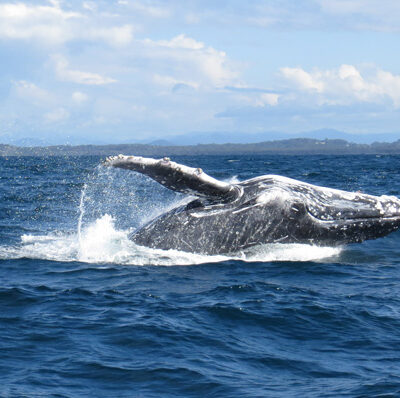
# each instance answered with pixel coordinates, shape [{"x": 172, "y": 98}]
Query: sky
[{"x": 135, "y": 70}]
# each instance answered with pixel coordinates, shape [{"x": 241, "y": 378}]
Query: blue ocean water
[{"x": 85, "y": 312}]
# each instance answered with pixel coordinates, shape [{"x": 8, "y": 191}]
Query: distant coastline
[{"x": 294, "y": 146}]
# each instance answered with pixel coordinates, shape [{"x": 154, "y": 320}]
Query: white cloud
[
  {"x": 76, "y": 76},
  {"x": 390, "y": 85},
  {"x": 303, "y": 79},
  {"x": 53, "y": 25},
  {"x": 22, "y": 11},
  {"x": 345, "y": 85},
  {"x": 180, "y": 41},
  {"x": 214, "y": 64},
  {"x": 48, "y": 23},
  {"x": 193, "y": 61},
  {"x": 269, "y": 99}
]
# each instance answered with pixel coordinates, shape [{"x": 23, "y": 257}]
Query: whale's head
[{"x": 324, "y": 215}]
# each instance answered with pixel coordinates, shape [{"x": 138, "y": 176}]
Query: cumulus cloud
[
  {"x": 345, "y": 85},
  {"x": 194, "y": 61},
  {"x": 44, "y": 22},
  {"x": 269, "y": 99},
  {"x": 64, "y": 73},
  {"x": 180, "y": 41},
  {"x": 52, "y": 24},
  {"x": 302, "y": 79}
]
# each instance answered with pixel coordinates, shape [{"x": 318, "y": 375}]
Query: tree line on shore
[{"x": 295, "y": 146}]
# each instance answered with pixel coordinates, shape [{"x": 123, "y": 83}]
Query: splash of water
[{"x": 81, "y": 212}]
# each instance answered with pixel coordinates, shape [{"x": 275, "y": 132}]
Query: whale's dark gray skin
[{"x": 227, "y": 218}]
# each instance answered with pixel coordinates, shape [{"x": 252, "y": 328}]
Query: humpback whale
[{"x": 226, "y": 218}]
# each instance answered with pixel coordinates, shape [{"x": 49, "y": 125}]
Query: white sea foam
[
  {"x": 291, "y": 252},
  {"x": 232, "y": 180},
  {"x": 102, "y": 242}
]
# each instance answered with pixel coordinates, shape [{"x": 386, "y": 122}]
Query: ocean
[{"x": 86, "y": 313}]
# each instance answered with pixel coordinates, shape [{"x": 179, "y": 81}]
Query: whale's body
[{"x": 226, "y": 218}]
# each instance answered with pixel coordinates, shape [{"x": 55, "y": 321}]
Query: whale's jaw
[
  {"x": 361, "y": 218},
  {"x": 337, "y": 232}
]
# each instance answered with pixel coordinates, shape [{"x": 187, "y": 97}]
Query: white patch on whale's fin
[{"x": 177, "y": 177}]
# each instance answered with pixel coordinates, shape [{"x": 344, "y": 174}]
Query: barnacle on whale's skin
[{"x": 227, "y": 218}]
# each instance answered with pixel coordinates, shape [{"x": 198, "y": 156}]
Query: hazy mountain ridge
[
  {"x": 266, "y": 136},
  {"x": 198, "y": 138},
  {"x": 295, "y": 146}
]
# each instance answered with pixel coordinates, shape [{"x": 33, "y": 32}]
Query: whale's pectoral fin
[{"x": 177, "y": 177}]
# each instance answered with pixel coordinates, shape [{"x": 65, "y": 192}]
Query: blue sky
[{"x": 127, "y": 70}]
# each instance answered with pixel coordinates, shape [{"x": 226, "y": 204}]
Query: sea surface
[{"x": 86, "y": 313}]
